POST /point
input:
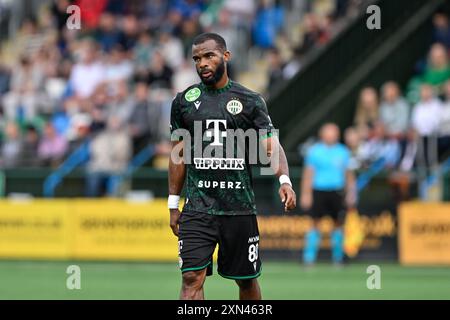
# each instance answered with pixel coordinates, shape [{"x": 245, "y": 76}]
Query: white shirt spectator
[
  {"x": 426, "y": 117},
  {"x": 184, "y": 77},
  {"x": 243, "y": 7},
  {"x": 395, "y": 116},
  {"x": 444, "y": 125},
  {"x": 119, "y": 71},
  {"x": 86, "y": 77},
  {"x": 172, "y": 50}
]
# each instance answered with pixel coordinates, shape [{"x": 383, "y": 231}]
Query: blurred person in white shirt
[
  {"x": 380, "y": 146},
  {"x": 394, "y": 111},
  {"x": 118, "y": 67},
  {"x": 425, "y": 120},
  {"x": 88, "y": 73},
  {"x": 444, "y": 125}
]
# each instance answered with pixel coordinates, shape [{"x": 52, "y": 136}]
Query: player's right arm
[
  {"x": 177, "y": 167},
  {"x": 177, "y": 174}
]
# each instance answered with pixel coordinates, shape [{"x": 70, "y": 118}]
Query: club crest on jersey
[
  {"x": 234, "y": 106},
  {"x": 192, "y": 94}
]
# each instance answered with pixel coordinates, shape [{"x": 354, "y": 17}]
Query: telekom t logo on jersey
[
  {"x": 215, "y": 131},
  {"x": 226, "y": 148}
]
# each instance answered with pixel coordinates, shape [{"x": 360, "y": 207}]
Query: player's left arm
[
  {"x": 275, "y": 152},
  {"x": 350, "y": 189},
  {"x": 279, "y": 164}
]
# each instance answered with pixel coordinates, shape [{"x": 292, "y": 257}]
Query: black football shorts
[
  {"x": 237, "y": 237},
  {"x": 328, "y": 203}
]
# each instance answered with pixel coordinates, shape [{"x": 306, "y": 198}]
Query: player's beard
[{"x": 216, "y": 76}]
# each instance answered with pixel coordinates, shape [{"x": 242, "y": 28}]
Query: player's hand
[
  {"x": 287, "y": 196},
  {"x": 306, "y": 201},
  {"x": 174, "y": 220}
]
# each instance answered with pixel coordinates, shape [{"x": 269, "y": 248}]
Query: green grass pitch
[{"x": 279, "y": 280}]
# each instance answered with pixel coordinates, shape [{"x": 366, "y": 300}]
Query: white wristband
[
  {"x": 173, "y": 201},
  {"x": 285, "y": 179}
]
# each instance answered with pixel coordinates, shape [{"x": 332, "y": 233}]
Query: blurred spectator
[
  {"x": 31, "y": 38},
  {"x": 59, "y": 12},
  {"x": 129, "y": 33},
  {"x": 107, "y": 34},
  {"x": 268, "y": 22},
  {"x": 92, "y": 11},
  {"x": 120, "y": 103},
  {"x": 441, "y": 31},
  {"x": 313, "y": 32},
  {"x": 5, "y": 77},
  {"x": 240, "y": 10},
  {"x": 293, "y": 65},
  {"x": 341, "y": 8},
  {"x": 144, "y": 119},
  {"x": 184, "y": 77},
  {"x": 394, "y": 111},
  {"x": 366, "y": 111},
  {"x": 22, "y": 101},
  {"x": 155, "y": 12},
  {"x": 353, "y": 142},
  {"x": 110, "y": 152},
  {"x": 426, "y": 114},
  {"x": 188, "y": 9},
  {"x": 189, "y": 30},
  {"x": 380, "y": 146},
  {"x": 12, "y": 147},
  {"x": 400, "y": 179},
  {"x": 88, "y": 73},
  {"x": 437, "y": 71},
  {"x": 171, "y": 50},
  {"x": 29, "y": 156},
  {"x": 227, "y": 30},
  {"x": 143, "y": 51},
  {"x": 119, "y": 67},
  {"x": 409, "y": 152},
  {"x": 52, "y": 147},
  {"x": 425, "y": 120},
  {"x": 159, "y": 74},
  {"x": 444, "y": 126},
  {"x": 276, "y": 65}
]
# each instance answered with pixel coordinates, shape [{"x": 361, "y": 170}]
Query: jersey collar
[{"x": 221, "y": 90}]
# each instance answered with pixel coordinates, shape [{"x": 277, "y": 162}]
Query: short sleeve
[
  {"x": 175, "y": 118},
  {"x": 348, "y": 165},
  {"x": 261, "y": 118},
  {"x": 309, "y": 159}
]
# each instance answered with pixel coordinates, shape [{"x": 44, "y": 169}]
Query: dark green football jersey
[{"x": 219, "y": 179}]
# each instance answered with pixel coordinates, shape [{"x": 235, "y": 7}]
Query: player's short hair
[{"x": 221, "y": 44}]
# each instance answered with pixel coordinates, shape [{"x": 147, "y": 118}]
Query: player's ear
[{"x": 227, "y": 56}]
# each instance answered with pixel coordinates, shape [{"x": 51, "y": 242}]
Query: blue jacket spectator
[{"x": 268, "y": 22}]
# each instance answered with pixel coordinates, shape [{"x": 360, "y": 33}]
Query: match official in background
[{"x": 327, "y": 189}]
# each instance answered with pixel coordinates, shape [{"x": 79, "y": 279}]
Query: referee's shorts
[{"x": 328, "y": 203}]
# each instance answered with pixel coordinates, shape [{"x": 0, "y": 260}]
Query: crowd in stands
[
  {"x": 410, "y": 131},
  {"x": 116, "y": 76}
]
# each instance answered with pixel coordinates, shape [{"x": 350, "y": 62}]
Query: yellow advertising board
[
  {"x": 86, "y": 229},
  {"x": 116, "y": 229},
  {"x": 35, "y": 229},
  {"x": 424, "y": 233}
]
